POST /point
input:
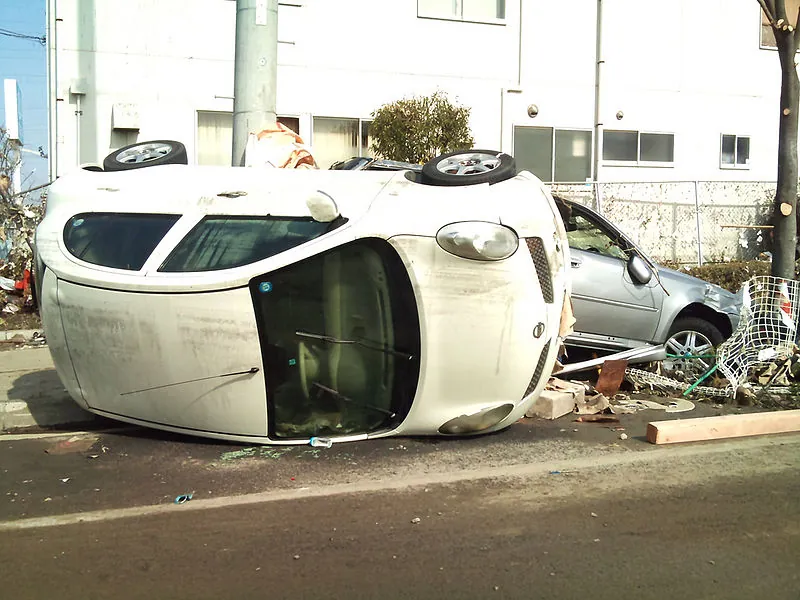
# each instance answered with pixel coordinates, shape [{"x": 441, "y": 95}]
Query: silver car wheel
[
  {"x": 468, "y": 163},
  {"x": 689, "y": 354},
  {"x": 144, "y": 153}
]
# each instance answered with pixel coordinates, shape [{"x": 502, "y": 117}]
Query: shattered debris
[{"x": 594, "y": 404}]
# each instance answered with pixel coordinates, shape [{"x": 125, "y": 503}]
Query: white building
[{"x": 686, "y": 89}]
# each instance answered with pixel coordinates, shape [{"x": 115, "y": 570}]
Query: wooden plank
[{"x": 727, "y": 426}]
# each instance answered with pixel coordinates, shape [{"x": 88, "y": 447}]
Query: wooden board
[{"x": 727, "y": 426}]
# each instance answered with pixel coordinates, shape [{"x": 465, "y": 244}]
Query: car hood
[{"x": 677, "y": 282}]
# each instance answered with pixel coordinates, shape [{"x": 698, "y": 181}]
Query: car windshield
[{"x": 340, "y": 340}]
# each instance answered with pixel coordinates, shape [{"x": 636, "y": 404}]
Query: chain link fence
[{"x": 686, "y": 222}]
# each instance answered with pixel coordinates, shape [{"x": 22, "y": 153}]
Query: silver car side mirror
[{"x": 638, "y": 269}]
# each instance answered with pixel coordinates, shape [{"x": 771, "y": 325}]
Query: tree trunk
[
  {"x": 784, "y": 235},
  {"x": 785, "y": 232}
]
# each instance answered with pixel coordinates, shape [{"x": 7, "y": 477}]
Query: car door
[{"x": 607, "y": 301}]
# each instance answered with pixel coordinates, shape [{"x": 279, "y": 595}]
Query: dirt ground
[{"x": 24, "y": 319}]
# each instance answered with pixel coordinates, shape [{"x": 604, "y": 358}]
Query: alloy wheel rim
[
  {"x": 689, "y": 353},
  {"x": 473, "y": 163},
  {"x": 144, "y": 153}
]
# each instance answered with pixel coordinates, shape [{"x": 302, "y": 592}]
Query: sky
[{"x": 26, "y": 61}]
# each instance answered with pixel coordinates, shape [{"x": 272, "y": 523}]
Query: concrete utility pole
[{"x": 255, "y": 71}]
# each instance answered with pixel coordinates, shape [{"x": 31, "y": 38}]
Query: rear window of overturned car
[{"x": 116, "y": 240}]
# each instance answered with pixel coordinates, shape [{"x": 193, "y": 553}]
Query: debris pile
[
  {"x": 20, "y": 213},
  {"x": 591, "y": 405},
  {"x": 17, "y": 307}
]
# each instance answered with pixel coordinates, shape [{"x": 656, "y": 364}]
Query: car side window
[
  {"x": 584, "y": 234},
  {"x": 219, "y": 242}
]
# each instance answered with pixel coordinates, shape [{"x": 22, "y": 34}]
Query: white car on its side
[{"x": 274, "y": 306}]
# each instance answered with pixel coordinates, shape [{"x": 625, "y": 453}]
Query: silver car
[{"x": 622, "y": 299}]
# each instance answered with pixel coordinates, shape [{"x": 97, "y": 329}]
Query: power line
[{"x": 22, "y": 36}]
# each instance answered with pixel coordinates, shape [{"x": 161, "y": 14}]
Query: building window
[
  {"x": 336, "y": 139},
  {"x": 767, "y": 35},
  {"x": 463, "y": 10},
  {"x": 638, "y": 148},
  {"x": 215, "y": 136},
  {"x": 735, "y": 152},
  {"x": 554, "y": 154}
]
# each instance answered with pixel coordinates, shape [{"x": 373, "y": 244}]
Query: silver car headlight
[{"x": 478, "y": 240}]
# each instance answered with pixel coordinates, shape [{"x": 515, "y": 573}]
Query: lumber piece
[{"x": 727, "y": 426}]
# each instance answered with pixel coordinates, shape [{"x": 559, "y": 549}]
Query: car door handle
[{"x": 575, "y": 263}]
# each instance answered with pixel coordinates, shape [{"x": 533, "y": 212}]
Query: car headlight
[
  {"x": 479, "y": 421},
  {"x": 478, "y": 240}
]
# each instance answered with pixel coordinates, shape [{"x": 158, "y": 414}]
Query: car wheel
[
  {"x": 146, "y": 154},
  {"x": 690, "y": 348},
  {"x": 469, "y": 167}
]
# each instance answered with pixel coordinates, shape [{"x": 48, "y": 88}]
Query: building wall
[{"x": 690, "y": 67}]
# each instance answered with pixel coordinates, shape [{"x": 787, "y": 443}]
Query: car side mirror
[
  {"x": 638, "y": 269},
  {"x": 322, "y": 207}
]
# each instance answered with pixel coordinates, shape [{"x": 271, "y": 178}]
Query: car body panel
[
  {"x": 501, "y": 359},
  {"x": 601, "y": 285},
  {"x": 167, "y": 358}
]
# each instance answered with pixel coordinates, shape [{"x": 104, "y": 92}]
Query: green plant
[{"x": 419, "y": 128}]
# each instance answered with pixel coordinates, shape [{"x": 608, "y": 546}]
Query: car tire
[
  {"x": 469, "y": 167},
  {"x": 691, "y": 336},
  {"x": 146, "y": 154}
]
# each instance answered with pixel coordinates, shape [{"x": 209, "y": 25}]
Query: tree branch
[
  {"x": 33, "y": 189},
  {"x": 769, "y": 10}
]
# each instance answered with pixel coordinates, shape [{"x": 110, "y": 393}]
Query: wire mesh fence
[
  {"x": 767, "y": 329},
  {"x": 687, "y": 222}
]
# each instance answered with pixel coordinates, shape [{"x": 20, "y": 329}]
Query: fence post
[
  {"x": 699, "y": 230},
  {"x": 597, "y": 198}
]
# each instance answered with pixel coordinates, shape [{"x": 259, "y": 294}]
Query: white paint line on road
[{"x": 616, "y": 459}]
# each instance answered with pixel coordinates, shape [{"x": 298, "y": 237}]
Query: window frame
[
  {"x": 361, "y": 150},
  {"x": 735, "y": 166},
  {"x": 639, "y": 162},
  {"x": 458, "y": 15},
  {"x": 553, "y": 131}
]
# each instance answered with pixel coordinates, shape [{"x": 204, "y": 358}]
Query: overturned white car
[{"x": 273, "y": 306}]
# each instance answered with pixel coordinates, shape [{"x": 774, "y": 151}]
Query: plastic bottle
[{"x": 320, "y": 442}]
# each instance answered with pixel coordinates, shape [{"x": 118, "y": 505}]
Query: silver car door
[{"x": 606, "y": 300}]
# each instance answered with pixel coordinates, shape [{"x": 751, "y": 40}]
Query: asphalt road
[{"x": 481, "y": 518}]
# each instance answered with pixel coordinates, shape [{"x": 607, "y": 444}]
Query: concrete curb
[{"x": 31, "y": 394}]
